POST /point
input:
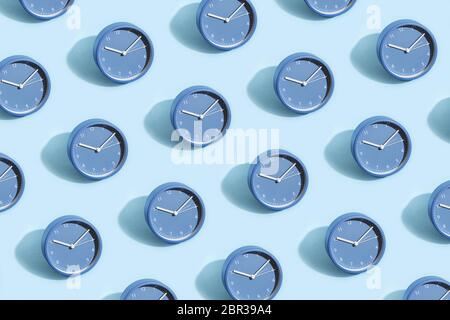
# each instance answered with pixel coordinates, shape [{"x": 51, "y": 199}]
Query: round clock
[
  {"x": 330, "y": 8},
  {"x": 174, "y": 212},
  {"x": 12, "y": 182},
  {"x": 355, "y": 243},
  {"x": 148, "y": 289},
  {"x": 252, "y": 273},
  {"x": 439, "y": 209},
  {"x": 278, "y": 179},
  {"x": 71, "y": 245},
  {"x": 227, "y": 24},
  {"x": 46, "y": 9},
  {"x": 97, "y": 149},
  {"x": 428, "y": 288},
  {"x": 304, "y": 83},
  {"x": 123, "y": 52},
  {"x": 24, "y": 86},
  {"x": 407, "y": 49},
  {"x": 201, "y": 115},
  {"x": 381, "y": 146}
]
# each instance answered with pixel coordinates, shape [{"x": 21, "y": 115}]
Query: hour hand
[
  {"x": 372, "y": 144},
  {"x": 300, "y": 82},
  {"x": 265, "y": 176},
  {"x": 173, "y": 213},
  {"x": 211, "y": 15},
  {"x": 444, "y": 206},
  {"x": 345, "y": 241},
  {"x": 243, "y": 274},
  {"x": 189, "y": 113},
  {"x": 10, "y": 83},
  {"x": 394, "y": 46},
  {"x": 114, "y": 50},
  {"x": 88, "y": 147},
  {"x": 62, "y": 243}
]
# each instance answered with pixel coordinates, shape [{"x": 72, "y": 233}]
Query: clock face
[
  {"x": 304, "y": 83},
  {"x": 148, "y": 290},
  {"x": 428, "y": 288},
  {"x": 12, "y": 183},
  {"x": 24, "y": 86},
  {"x": 407, "y": 50},
  {"x": 381, "y": 146},
  {"x": 123, "y": 52},
  {"x": 251, "y": 273},
  {"x": 201, "y": 115},
  {"x": 97, "y": 149},
  {"x": 330, "y": 8},
  {"x": 439, "y": 209},
  {"x": 46, "y": 9},
  {"x": 278, "y": 179},
  {"x": 355, "y": 243},
  {"x": 71, "y": 245},
  {"x": 226, "y": 24},
  {"x": 174, "y": 212}
]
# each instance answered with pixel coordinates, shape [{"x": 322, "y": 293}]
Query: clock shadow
[
  {"x": 364, "y": 58},
  {"x": 339, "y": 156},
  {"x": 395, "y": 295},
  {"x": 132, "y": 221},
  {"x": 437, "y": 120},
  {"x": 55, "y": 158},
  {"x": 29, "y": 255},
  {"x": 236, "y": 190},
  {"x": 209, "y": 282},
  {"x": 184, "y": 28},
  {"x": 313, "y": 253},
  {"x": 261, "y": 91},
  {"x": 158, "y": 124},
  {"x": 299, "y": 9},
  {"x": 415, "y": 218},
  {"x": 80, "y": 60},
  {"x": 14, "y": 10}
]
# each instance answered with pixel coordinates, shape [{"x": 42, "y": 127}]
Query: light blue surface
[{"x": 244, "y": 76}]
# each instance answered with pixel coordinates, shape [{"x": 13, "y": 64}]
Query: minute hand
[
  {"x": 415, "y": 43},
  {"x": 313, "y": 75},
  {"x": 389, "y": 140},
  {"x": 234, "y": 12}
]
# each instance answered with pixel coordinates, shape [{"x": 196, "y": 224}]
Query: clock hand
[
  {"x": 394, "y": 143},
  {"x": 292, "y": 176},
  {"x": 11, "y": 83},
  {"x": 191, "y": 114},
  {"x": 286, "y": 173},
  {"x": 6, "y": 172},
  {"x": 243, "y": 274},
  {"x": 264, "y": 273},
  {"x": 202, "y": 116},
  {"x": 268, "y": 177},
  {"x": 369, "y": 239},
  {"x": 421, "y": 46},
  {"x": 372, "y": 144},
  {"x": 163, "y": 296},
  {"x": 173, "y": 213},
  {"x": 345, "y": 241},
  {"x": 213, "y": 113},
  {"x": 131, "y": 46},
  {"x": 105, "y": 143},
  {"x": 393, "y": 46},
  {"x": 363, "y": 236},
  {"x": 111, "y": 145},
  {"x": 302, "y": 83},
  {"x": 137, "y": 49},
  {"x": 211, "y": 15},
  {"x": 62, "y": 243},
  {"x": 114, "y": 50},
  {"x": 234, "y": 12},
  {"x": 87, "y": 147},
  {"x": 445, "y": 295},
  {"x": 260, "y": 269},
  {"x": 183, "y": 205},
  {"x": 313, "y": 75},
  {"x": 240, "y": 16},
  {"x": 85, "y": 242},
  {"x": 23, "y": 84},
  {"x": 389, "y": 140},
  {"x": 187, "y": 209},
  {"x": 80, "y": 238},
  {"x": 444, "y": 206},
  {"x": 318, "y": 79},
  {"x": 415, "y": 43},
  {"x": 30, "y": 83}
]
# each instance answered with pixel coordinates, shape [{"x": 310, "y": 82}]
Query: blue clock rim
[
  {"x": 189, "y": 91},
  {"x": 200, "y": 10},
  {"x": 47, "y": 17},
  {"x": 330, "y": 15},
  {"x": 62, "y": 220},
  {"x": 422, "y": 281},
  {"x": 166, "y": 187},
  {"x": 111, "y": 28},
  {"x": 354, "y": 145},
  {"x": 338, "y": 221},
  {"x": 275, "y": 153},
  {"x": 145, "y": 282},
  {"x": 241, "y": 251},
  {"x": 22, "y": 178},
  {"x": 395, "y": 25},
  {"x": 23, "y": 58},
  {"x": 301, "y": 56},
  {"x": 90, "y": 123},
  {"x": 433, "y": 198}
]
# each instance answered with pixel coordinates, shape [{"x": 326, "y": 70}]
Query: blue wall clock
[
  {"x": 226, "y": 24},
  {"x": 12, "y": 182},
  {"x": 439, "y": 209},
  {"x": 303, "y": 82},
  {"x": 278, "y": 179},
  {"x": 71, "y": 245},
  {"x": 407, "y": 49},
  {"x": 355, "y": 243},
  {"x": 200, "y": 115},
  {"x": 252, "y": 273},
  {"x": 174, "y": 212},
  {"x": 46, "y": 9},
  {"x": 330, "y": 8},
  {"x": 428, "y": 288},
  {"x": 24, "y": 86},
  {"x": 148, "y": 289},
  {"x": 381, "y": 146},
  {"x": 123, "y": 52},
  {"x": 97, "y": 149}
]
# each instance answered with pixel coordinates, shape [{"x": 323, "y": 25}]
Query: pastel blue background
[{"x": 141, "y": 110}]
